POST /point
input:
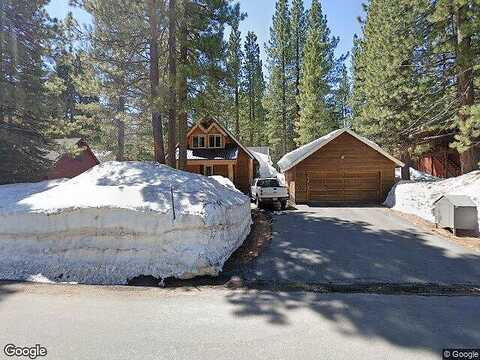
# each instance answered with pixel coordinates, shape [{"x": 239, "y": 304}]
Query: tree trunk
[
  {"x": 297, "y": 78},
  {"x": 468, "y": 158},
  {"x": 172, "y": 78},
  {"x": 284, "y": 103},
  {"x": 183, "y": 93},
  {"x": 237, "y": 110},
  {"x": 120, "y": 155},
  {"x": 154, "y": 83},
  {"x": 407, "y": 160}
]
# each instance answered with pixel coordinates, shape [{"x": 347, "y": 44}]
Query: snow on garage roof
[{"x": 294, "y": 157}]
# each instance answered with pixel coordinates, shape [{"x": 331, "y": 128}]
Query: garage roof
[{"x": 298, "y": 155}]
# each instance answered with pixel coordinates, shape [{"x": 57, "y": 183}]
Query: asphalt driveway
[{"x": 359, "y": 245}]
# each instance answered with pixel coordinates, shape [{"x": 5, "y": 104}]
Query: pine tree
[
  {"x": 455, "y": 37},
  {"x": 253, "y": 89},
  {"x": 316, "y": 116},
  {"x": 25, "y": 33},
  {"x": 234, "y": 62},
  {"x": 390, "y": 75},
  {"x": 202, "y": 63},
  {"x": 342, "y": 99},
  {"x": 172, "y": 80},
  {"x": 299, "y": 32},
  {"x": 118, "y": 53},
  {"x": 281, "y": 92},
  {"x": 153, "y": 16}
]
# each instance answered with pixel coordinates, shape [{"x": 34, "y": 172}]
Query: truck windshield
[{"x": 268, "y": 183}]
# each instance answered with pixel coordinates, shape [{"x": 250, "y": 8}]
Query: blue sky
[{"x": 342, "y": 18}]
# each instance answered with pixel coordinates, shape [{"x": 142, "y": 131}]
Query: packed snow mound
[
  {"x": 416, "y": 175},
  {"x": 418, "y": 197},
  {"x": 224, "y": 181},
  {"x": 14, "y": 193},
  {"x": 266, "y": 169},
  {"x": 120, "y": 220}
]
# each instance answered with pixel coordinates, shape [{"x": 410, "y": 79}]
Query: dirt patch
[
  {"x": 464, "y": 238},
  {"x": 372, "y": 288},
  {"x": 258, "y": 239}
]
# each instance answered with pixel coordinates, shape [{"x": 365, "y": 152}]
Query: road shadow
[
  {"x": 7, "y": 288},
  {"x": 415, "y": 322}
]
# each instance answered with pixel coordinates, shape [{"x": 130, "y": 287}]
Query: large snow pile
[
  {"x": 117, "y": 221},
  {"x": 416, "y": 175},
  {"x": 266, "y": 169},
  {"x": 418, "y": 197}
]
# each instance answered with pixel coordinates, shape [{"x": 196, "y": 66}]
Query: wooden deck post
[
  {"x": 250, "y": 171},
  {"x": 230, "y": 172}
]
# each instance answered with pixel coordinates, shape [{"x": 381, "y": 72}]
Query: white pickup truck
[{"x": 269, "y": 190}]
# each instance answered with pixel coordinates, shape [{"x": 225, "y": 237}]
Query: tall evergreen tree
[
  {"x": 234, "y": 62},
  {"x": 202, "y": 63},
  {"x": 455, "y": 38},
  {"x": 316, "y": 115},
  {"x": 299, "y": 33},
  {"x": 390, "y": 74},
  {"x": 253, "y": 88},
  {"x": 118, "y": 51},
  {"x": 342, "y": 99},
  {"x": 25, "y": 32},
  {"x": 281, "y": 92},
  {"x": 172, "y": 80}
]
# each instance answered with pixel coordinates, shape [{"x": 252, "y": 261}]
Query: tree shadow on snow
[{"x": 185, "y": 188}]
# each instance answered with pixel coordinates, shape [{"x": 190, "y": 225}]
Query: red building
[
  {"x": 441, "y": 161},
  {"x": 70, "y": 157}
]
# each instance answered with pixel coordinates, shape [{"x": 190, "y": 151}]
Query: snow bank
[
  {"x": 13, "y": 193},
  {"x": 224, "y": 181},
  {"x": 266, "y": 169},
  {"x": 417, "y": 197},
  {"x": 117, "y": 221},
  {"x": 416, "y": 175}
]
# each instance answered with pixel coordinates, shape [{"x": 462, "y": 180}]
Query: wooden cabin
[
  {"x": 213, "y": 150},
  {"x": 70, "y": 157},
  {"x": 441, "y": 160},
  {"x": 340, "y": 168}
]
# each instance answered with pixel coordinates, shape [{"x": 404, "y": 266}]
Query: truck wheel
[
  {"x": 283, "y": 205},
  {"x": 259, "y": 203}
]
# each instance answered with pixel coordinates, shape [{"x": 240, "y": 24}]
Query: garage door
[{"x": 342, "y": 187}]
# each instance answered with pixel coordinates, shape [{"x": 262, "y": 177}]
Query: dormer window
[
  {"x": 215, "y": 141},
  {"x": 198, "y": 142}
]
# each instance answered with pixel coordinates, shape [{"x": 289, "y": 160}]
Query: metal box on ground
[{"x": 456, "y": 212}]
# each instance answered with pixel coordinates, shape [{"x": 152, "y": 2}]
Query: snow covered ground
[
  {"x": 417, "y": 197},
  {"x": 416, "y": 175},
  {"x": 120, "y": 220}
]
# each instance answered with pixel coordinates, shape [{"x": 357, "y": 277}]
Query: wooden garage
[{"x": 340, "y": 168}]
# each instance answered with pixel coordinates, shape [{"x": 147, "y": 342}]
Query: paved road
[
  {"x": 320, "y": 245},
  {"x": 89, "y": 322}
]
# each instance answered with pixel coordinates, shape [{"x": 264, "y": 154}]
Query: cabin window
[
  {"x": 198, "y": 142},
  {"x": 215, "y": 141}
]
